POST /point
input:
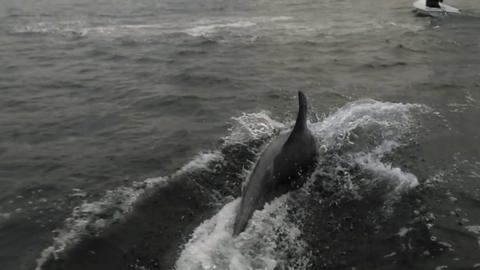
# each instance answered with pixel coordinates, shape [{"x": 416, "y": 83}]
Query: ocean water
[{"x": 127, "y": 128}]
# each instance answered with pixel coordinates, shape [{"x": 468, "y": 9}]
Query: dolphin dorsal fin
[{"x": 301, "y": 123}]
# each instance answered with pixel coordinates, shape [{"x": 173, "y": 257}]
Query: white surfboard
[{"x": 444, "y": 9}]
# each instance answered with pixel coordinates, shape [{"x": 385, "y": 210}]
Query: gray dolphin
[{"x": 281, "y": 167}]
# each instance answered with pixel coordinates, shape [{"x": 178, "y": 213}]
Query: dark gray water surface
[{"x": 95, "y": 95}]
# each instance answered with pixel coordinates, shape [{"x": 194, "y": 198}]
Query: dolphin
[{"x": 282, "y": 166}]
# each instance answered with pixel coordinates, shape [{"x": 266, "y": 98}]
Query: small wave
[
  {"x": 132, "y": 29},
  {"x": 253, "y": 126},
  {"x": 64, "y": 28},
  {"x": 391, "y": 119},
  {"x": 475, "y": 229},
  {"x": 434, "y": 180},
  {"x": 393, "y": 180},
  {"x": 206, "y": 30},
  {"x": 200, "y": 161},
  {"x": 372, "y": 162},
  {"x": 91, "y": 218},
  {"x": 359, "y": 136}
]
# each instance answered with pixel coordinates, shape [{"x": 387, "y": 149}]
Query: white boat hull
[{"x": 421, "y": 8}]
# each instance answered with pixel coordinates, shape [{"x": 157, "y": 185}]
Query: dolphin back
[{"x": 281, "y": 167}]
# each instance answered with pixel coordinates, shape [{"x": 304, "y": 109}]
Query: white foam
[
  {"x": 473, "y": 228},
  {"x": 372, "y": 162},
  {"x": 263, "y": 245},
  {"x": 123, "y": 30},
  {"x": 469, "y": 98},
  {"x": 402, "y": 180},
  {"x": 206, "y": 30},
  {"x": 361, "y": 134},
  {"x": 392, "y": 119},
  {"x": 403, "y": 231},
  {"x": 435, "y": 179},
  {"x": 208, "y": 27},
  {"x": 84, "y": 28},
  {"x": 390, "y": 255},
  {"x": 252, "y": 126},
  {"x": 200, "y": 161},
  {"x": 384, "y": 124},
  {"x": 476, "y": 230},
  {"x": 66, "y": 28}
]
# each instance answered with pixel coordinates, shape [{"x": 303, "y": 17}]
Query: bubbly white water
[
  {"x": 265, "y": 244},
  {"x": 252, "y": 126},
  {"x": 200, "y": 162},
  {"x": 391, "y": 119}
]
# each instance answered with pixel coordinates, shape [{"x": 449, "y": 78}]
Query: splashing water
[
  {"x": 252, "y": 126},
  {"x": 273, "y": 238},
  {"x": 266, "y": 244}
]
